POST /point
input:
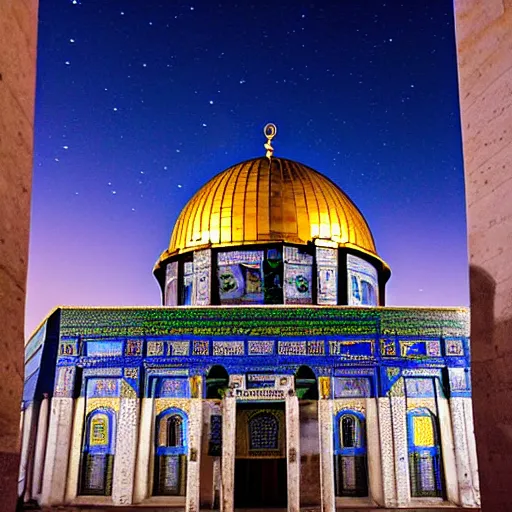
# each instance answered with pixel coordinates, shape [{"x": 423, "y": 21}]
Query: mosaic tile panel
[
  {"x": 327, "y": 275},
  {"x": 454, "y": 347},
  {"x": 102, "y": 387},
  {"x": 202, "y": 276},
  {"x": 228, "y": 348},
  {"x": 291, "y": 348},
  {"x": 260, "y": 347},
  {"x": 351, "y": 387},
  {"x": 65, "y": 381},
  {"x": 298, "y": 276}
]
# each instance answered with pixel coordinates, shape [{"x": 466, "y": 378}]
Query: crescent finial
[{"x": 270, "y": 131}]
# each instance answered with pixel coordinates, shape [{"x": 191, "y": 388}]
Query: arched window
[
  {"x": 355, "y": 289},
  {"x": 306, "y": 386},
  {"x": 170, "y": 471},
  {"x": 369, "y": 298},
  {"x": 425, "y": 464},
  {"x": 350, "y": 466},
  {"x": 98, "y": 453},
  {"x": 348, "y": 431},
  {"x": 171, "y": 286},
  {"x": 98, "y": 434},
  {"x": 187, "y": 289},
  {"x": 174, "y": 431}
]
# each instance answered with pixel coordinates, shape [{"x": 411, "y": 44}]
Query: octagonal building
[
  {"x": 272, "y": 376},
  {"x": 271, "y": 231}
]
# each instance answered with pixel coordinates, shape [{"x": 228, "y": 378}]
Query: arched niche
[
  {"x": 217, "y": 380},
  {"x": 306, "y": 386}
]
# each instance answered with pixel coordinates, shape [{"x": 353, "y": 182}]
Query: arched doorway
[{"x": 217, "y": 381}]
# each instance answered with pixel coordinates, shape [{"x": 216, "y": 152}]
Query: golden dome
[{"x": 269, "y": 200}]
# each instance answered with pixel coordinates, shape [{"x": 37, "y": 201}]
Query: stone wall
[
  {"x": 484, "y": 46},
  {"x": 18, "y": 34}
]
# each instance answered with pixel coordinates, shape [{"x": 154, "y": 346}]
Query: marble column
[
  {"x": 75, "y": 454},
  {"x": 195, "y": 428},
  {"x": 293, "y": 452},
  {"x": 375, "y": 493},
  {"x": 387, "y": 451},
  {"x": 228, "y": 454},
  {"x": 143, "y": 469},
  {"x": 325, "y": 425},
  {"x": 40, "y": 449},
  {"x": 125, "y": 451},
  {"x": 466, "y": 464},
  {"x": 57, "y": 451}
]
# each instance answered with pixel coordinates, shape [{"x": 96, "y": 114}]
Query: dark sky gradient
[{"x": 141, "y": 102}]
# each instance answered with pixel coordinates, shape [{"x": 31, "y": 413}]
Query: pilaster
[
  {"x": 192, "y": 503},
  {"x": 228, "y": 453},
  {"x": 23, "y": 479},
  {"x": 41, "y": 436},
  {"x": 143, "y": 470},
  {"x": 325, "y": 425},
  {"x": 448, "y": 451},
  {"x": 401, "y": 455},
  {"x": 57, "y": 451},
  {"x": 469, "y": 495},
  {"x": 376, "y": 492},
  {"x": 387, "y": 452},
  {"x": 472, "y": 453},
  {"x": 76, "y": 450},
  {"x": 293, "y": 452},
  {"x": 125, "y": 452}
]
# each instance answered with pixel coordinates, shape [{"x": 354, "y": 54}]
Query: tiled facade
[{"x": 379, "y": 373}]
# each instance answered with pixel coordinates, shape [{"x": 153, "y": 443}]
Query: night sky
[{"x": 139, "y": 103}]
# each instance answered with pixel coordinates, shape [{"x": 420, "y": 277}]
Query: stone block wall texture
[
  {"x": 484, "y": 48},
  {"x": 18, "y": 38}
]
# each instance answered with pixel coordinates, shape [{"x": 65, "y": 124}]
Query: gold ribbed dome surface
[{"x": 269, "y": 200}]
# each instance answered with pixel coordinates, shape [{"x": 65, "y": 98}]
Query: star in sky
[{"x": 366, "y": 94}]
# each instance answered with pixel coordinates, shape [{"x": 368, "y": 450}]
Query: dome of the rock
[{"x": 271, "y": 231}]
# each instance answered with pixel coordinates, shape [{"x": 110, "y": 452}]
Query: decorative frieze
[
  {"x": 259, "y": 394},
  {"x": 201, "y": 348}
]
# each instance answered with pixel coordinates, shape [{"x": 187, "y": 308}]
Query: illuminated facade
[{"x": 273, "y": 375}]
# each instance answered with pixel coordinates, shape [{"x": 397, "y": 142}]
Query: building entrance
[{"x": 260, "y": 465}]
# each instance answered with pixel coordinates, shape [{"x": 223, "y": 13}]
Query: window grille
[
  {"x": 350, "y": 464},
  {"x": 97, "y": 460},
  {"x": 215, "y": 443},
  {"x": 425, "y": 463},
  {"x": 263, "y": 432},
  {"x": 170, "y": 466}
]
